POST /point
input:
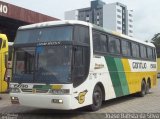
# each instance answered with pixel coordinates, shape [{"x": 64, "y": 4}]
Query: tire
[
  {"x": 147, "y": 87},
  {"x": 97, "y": 99},
  {"x": 143, "y": 89}
]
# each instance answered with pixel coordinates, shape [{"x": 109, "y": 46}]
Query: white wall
[
  {"x": 71, "y": 15},
  {"x": 109, "y": 16},
  {"x": 130, "y": 23}
]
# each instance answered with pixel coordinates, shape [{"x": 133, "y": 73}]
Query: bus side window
[
  {"x": 114, "y": 45},
  {"x": 135, "y": 50},
  {"x": 99, "y": 42},
  {"x": 143, "y": 51},
  {"x": 150, "y": 53},
  {"x": 126, "y": 48}
]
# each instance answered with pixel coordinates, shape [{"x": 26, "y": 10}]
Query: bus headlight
[
  {"x": 59, "y": 91},
  {"x": 15, "y": 90}
]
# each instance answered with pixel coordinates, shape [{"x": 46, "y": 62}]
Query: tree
[{"x": 156, "y": 41}]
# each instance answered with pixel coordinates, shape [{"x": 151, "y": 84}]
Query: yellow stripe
[
  {"x": 134, "y": 79},
  {"x": 56, "y": 87}
]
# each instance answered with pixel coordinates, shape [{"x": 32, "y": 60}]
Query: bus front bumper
[{"x": 61, "y": 102}]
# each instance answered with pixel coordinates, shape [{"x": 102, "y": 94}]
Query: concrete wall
[
  {"x": 109, "y": 17},
  {"x": 71, "y": 15}
]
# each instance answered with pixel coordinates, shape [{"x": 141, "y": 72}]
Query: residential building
[{"x": 113, "y": 16}]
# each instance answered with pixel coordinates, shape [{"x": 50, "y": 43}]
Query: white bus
[{"x": 71, "y": 64}]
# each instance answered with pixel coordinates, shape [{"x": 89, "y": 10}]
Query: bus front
[{"x": 45, "y": 66}]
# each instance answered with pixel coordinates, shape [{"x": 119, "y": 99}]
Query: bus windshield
[
  {"x": 59, "y": 33},
  {"x": 43, "y": 64}
]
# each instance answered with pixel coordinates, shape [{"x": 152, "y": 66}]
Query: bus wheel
[
  {"x": 143, "y": 89},
  {"x": 147, "y": 87},
  {"x": 97, "y": 99}
]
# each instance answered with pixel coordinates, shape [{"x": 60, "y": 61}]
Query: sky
[{"x": 146, "y": 12}]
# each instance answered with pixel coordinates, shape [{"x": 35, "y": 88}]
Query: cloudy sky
[{"x": 146, "y": 12}]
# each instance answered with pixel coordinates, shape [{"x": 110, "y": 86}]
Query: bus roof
[{"x": 72, "y": 22}]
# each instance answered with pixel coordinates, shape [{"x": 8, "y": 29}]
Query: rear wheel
[
  {"x": 143, "y": 89},
  {"x": 97, "y": 99},
  {"x": 147, "y": 87}
]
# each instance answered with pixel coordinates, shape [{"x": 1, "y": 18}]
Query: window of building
[
  {"x": 118, "y": 10},
  {"x": 135, "y": 50},
  {"x": 99, "y": 42},
  {"x": 130, "y": 26},
  {"x": 119, "y": 16},
  {"x": 119, "y": 28},
  {"x": 130, "y": 15},
  {"x": 130, "y": 31},
  {"x": 87, "y": 15},
  {"x": 143, "y": 51},
  {"x": 114, "y": 45},
  {"x": 97, "y": 17},
  {"x": 130, "y": 20},
  {"x": 126, "y": 48},
  {"x": 119, "y": 22},
  {"x": 97, "y": 22}
]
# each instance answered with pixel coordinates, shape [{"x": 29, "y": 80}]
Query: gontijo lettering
[{"x": 139, "y": 65}]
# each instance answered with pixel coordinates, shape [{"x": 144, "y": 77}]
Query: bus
[
  {"x": 71, "y": 64},
  {"x": 3, "y": 62},
  {"x": 9, "y": 68}
]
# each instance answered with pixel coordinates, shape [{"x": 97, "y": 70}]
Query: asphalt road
[{"x": 128, "y": 104}]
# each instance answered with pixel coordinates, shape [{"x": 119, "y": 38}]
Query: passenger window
[
  {"x": 114, "y": 45},
  {"x": 143, "y": 51},
  {"x": 154, "y": 53},
  {"x": 135, "y": 50},
  {"x": 126, "y": 48},
  {"x": 99, "y": 42},
  {"x": 149, "y": 53}
]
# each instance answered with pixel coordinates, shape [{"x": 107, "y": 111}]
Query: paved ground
[{"x": 129, "y": 104}]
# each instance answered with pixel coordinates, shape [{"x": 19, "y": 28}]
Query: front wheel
[{"x": 97, "y": 99}]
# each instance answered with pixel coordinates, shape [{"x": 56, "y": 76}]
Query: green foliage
[{"x": 156, "y": 41}]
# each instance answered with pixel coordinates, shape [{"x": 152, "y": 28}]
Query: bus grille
[
  {"x": 34, "y": 91},
  {"x": 26, "y": 90}
]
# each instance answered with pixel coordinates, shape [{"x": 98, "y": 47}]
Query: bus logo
[{"x": 81, "y": 97}]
